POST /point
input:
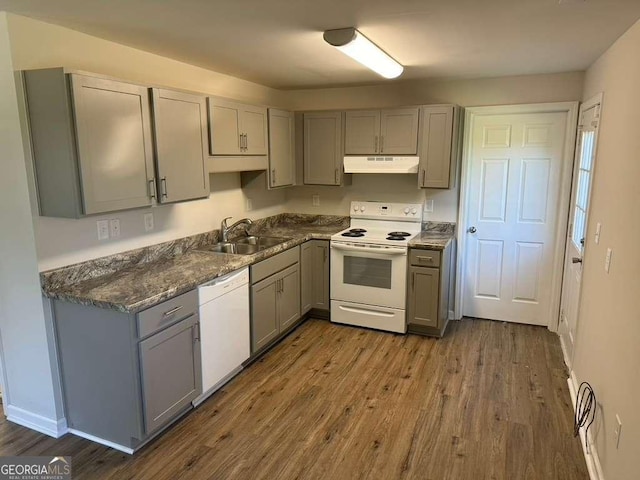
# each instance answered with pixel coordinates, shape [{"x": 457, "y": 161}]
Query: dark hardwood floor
[{"x": 488, "y": 401}]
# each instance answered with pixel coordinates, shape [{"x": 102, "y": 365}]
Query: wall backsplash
[{"x": 400, "y": 188}]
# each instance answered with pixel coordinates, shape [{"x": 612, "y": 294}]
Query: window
[{"x": 587, "y": 152}]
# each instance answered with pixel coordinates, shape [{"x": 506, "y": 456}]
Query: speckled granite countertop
[
  {"x": 434, "y": 236},
  {"x": 136, "y": 280}
]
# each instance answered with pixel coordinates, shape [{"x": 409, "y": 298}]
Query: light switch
[
  {"x": 148, "y": 222},
  {"x": 597, "y": 235},
  {"x": 428, "y": 206},
  {"x": 607, "y": 260},
  {"x": 103, "y": 229}
]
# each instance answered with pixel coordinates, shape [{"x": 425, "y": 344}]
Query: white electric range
[{"x": 369, "y": 265}]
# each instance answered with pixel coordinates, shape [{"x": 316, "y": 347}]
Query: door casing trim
[{"x": 471, "y": 113}]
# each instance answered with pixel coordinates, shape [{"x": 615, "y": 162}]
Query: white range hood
[{"x": 381, "y": 164}]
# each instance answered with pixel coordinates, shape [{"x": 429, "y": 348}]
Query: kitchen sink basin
[
  {"x": 244, "y": 246},
  {"x": 260, "y": 242}
]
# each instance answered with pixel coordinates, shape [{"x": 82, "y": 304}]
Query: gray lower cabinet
[
  {"x": 171, "y": 372},
  {"x": 314, "y": 275},
  {"x": 125, "y": 376},
  {"x": 275, "y": 298},
  {"x": 428, "y": 291},
  {"x": 75, "y": 121},
  {"x": 180, "y": 127}
]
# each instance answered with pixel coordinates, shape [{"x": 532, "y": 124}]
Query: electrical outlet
[
  {"x": 607, "y": 260},
  {"x": 315, "y": 200},
  {"x": 148, "y": 222},
  {"x": 114, "y": 228},
  {"x": 597, "y": 236},
  {"x": 103, "y": 229},
  {"x": 428, "y": 206},
  {"x": 249, "y": 205},
  {"x": 618, "y": 430}
]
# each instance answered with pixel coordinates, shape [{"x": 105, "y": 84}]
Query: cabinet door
[
  {"x": 171, "y": 372},
  {"x": 253, "y": 123},
  {"x": 435, "y": 152},
  {"x": 113, "y": 130},
  {"x": 289, "y": 297},
  {"x": 281, "y": 148},
  {"x": 399, "y": 131},
  {"x": 323, "y": 150},
  {"x": 362, "y": 132},
  {"x": 423, "y": 296},
  {"x": 307, "y": 276},
  {"x": 264, "y": 312},
  {"x": 321, "y": 274},
  {"x": 180, "y": 123},
  {"x": 224, "y": 127}
]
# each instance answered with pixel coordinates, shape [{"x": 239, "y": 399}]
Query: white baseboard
[
  {"x": 565, "y": 354},
  {"x": 39, "y": 423},
  {"x": 452, "y": 315},
  {"x": 591, "y": 456},
  {"x": 102, "y": 441}
]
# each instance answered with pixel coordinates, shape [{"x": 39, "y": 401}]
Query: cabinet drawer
[
  {"x": 424, "y": 258},
  {"x": 166, "y": 313},
  {"x": 263, "y": 269}
]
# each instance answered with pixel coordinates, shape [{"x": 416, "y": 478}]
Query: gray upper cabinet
[
  {"x": 314, "y": 275},
  {"x": 236, "y": 128},
  {"x": 75, "y": 122},
  {"x": 281, "y": 148},
  {"x": 439, "y": 145},
  {"x": 390, "y": 132},
  {"x": 323, "y": 148},
  {"x": 180, "y": 127}
]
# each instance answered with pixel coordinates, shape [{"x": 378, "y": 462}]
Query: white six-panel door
[{"x": 514, "y": 177}]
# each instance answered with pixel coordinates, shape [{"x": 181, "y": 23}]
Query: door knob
[
  {"x": 471, "y": 230},
  {"x": 576, "y": 260}
]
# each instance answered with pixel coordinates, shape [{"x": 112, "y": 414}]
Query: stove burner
[
  {"x": 396, "y": 237},
  {"x": 352, "y": 234},
  {"x": 359, "y": 230},
  {"x": 399, "y": 234}
]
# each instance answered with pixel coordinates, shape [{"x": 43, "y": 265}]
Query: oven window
[{"x": 367, "y": 272}]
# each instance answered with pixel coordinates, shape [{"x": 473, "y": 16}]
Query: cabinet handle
[
  {"x": 375, "y": 150},
  {"x": 240, "y": 141},
  {"x": 324, "y": 254},
  {"x": 337, "y": 177},
  {"x": 168, "y": 313},
  {"x": 152, "y": 188},
  {"x": 428, "y": 259},
  {"x": 424, "y": 172},
  {"x": 413, "y": 281},
  {"x": 163, "y": 182},
  {"x": 273, "y": 176},
  {"x": 245, "y": 142},
  {"x": 196, "y": 332},
  {"x": 381, "y": 143}
]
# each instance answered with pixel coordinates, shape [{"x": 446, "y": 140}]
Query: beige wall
[
  {"x": 403, "y": 188},
  {"x": 36, "y": 44},
  {"x": 607, "y": 351},
  {"x": 25, "y": 350}
]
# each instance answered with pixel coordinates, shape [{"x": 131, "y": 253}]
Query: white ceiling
[{"x": 279, "y": 42}]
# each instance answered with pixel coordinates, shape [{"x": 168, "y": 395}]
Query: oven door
[{"x": 369, "y": 274}]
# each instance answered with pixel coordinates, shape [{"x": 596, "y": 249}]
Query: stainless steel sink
[
  {"x": 244, "y": 246},
  {"x": 259, "y": 241}
]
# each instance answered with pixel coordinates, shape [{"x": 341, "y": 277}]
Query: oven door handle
[{"x": 381, "y": 250}]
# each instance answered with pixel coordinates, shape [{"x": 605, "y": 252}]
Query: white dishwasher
[{"x": 224, "y": 329}]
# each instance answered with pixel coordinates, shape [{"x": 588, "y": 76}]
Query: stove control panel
[{"x": 411, "y": 212}]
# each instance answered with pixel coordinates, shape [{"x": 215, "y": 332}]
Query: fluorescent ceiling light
[{"x": 353, "y": 43}]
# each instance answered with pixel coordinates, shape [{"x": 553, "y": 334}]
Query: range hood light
[{"x": 354, "y": 44}]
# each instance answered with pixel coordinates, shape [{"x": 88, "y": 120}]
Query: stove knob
[
  {"x": 362, "y": 208},
  {"x": 356, "y": 208},
  {"x": 406, "y": 211},
  {"x": 414, "y": 211}
]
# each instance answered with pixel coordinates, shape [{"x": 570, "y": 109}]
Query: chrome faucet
[{"x": 224, "y": 229}]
